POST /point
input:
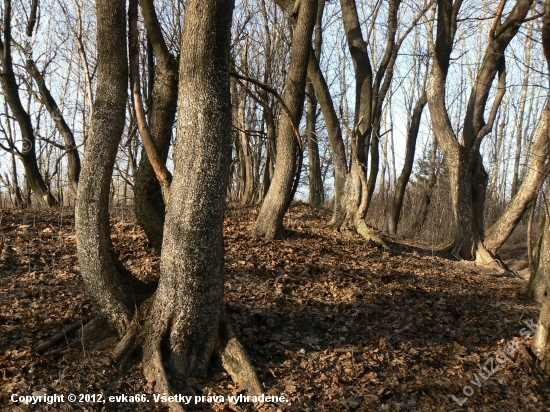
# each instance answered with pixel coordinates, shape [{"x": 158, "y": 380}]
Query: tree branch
[{"x": 276, "y": 94}]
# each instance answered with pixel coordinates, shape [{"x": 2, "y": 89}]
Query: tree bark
[
  {"x": 111, "y": 287},
  {"x": 270, "y": 219}
]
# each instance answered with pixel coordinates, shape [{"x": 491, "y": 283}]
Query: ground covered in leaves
[{"x": 332, "y": 322}]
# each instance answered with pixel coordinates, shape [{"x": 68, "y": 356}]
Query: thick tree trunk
[
  {"x": 403, "y": 180},
  {"x": 184, "y": 320},
  {"x": 148, "y": 200},
  {"x": 539, "y": 287},
  {"x": 270, "y": 219},
  {"x": 110, "y": 286},
  {"x": 468, "y": 186},
  {"x": 187, "y": 312}
]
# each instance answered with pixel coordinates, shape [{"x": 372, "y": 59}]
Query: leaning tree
[
  {"x": 539, "y": 285},
  {"x": 181, "y": 319}
]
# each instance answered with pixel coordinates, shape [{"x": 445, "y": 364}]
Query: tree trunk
[
  {"x": 184, "y": 320},
  {"x": 335, "y": 138},
  {"x": 148, "y": 200},
  {"x": 270, "y": 219},
  {"x": 316, "y": 190},
  {"x": 187, "y": 305},
  {"x": 468, "y": 176},
  {"x": 426, "y": 197},
  {"x": 110, "y": 286},
  {"x": 538, "y": 289},
  {"x": 73, "y": 158},
  {"x": 316, "y": 196},
  {"x": 541, "y": 277},
  {"x": 187, "y": 311},
  {"x": 403, "y": 180},
  {"x": 516, "y": 208}
]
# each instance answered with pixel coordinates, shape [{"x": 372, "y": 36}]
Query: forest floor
[{"x": 331, "y": 321}]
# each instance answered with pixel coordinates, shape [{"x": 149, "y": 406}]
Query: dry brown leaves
[{"x": 334, "y": 323}]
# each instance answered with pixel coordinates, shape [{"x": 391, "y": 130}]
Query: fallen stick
[{"x": 57, "y": 337}]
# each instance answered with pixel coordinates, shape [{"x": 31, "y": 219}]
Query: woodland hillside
[{"x": 406, "y": 331}]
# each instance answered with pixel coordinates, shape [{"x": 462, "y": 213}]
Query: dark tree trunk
[
  {"x": 270, "y": 219},
  {"x": 316, "y": 190},
  {"x": 316, "y": 196},
  {"x": 73, "y": 158},
  {"x": 18, "y": 199},
  {"x": 403, "y": 180},
  {"x": 426, "y": 196},
  {"x": 270, "y": 152},
  {"x": 148, "y": 200}
]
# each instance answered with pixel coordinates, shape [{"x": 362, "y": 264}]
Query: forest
[{"x": 274, "y": 205}]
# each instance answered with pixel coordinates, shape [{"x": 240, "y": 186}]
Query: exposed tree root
[
  {"x": 478, "y": 254},
  {"x": 235, "y": 360},
  {"x": 128, "y": 342},
  {"x": 533, "y": 364},
  {"x": 228, "y": 349},
  {"x": 370, "y": 235}
]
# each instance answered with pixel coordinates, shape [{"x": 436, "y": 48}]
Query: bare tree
[{"x": 463, "y": 158}]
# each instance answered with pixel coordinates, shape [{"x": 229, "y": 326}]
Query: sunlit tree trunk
[{"x": 269, "y": 223}]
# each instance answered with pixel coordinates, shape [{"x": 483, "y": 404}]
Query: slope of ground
[{"x": 330, "y": 321}]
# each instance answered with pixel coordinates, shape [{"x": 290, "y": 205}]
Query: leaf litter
[{"x": 331, "y": 321}]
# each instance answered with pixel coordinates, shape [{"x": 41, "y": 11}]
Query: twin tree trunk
[
  {"x": 183, "y": 319},
  {"x": 468, "y": 176}
]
